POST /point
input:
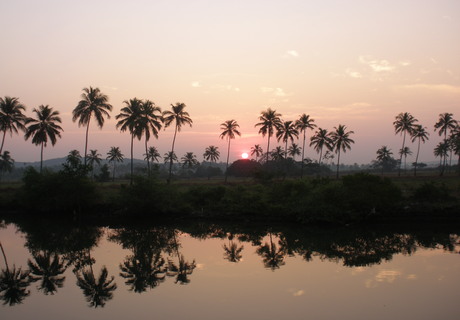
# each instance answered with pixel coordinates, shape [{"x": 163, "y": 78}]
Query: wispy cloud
[
  {"x": 353, "y": 74},
  {"x": 277, "y": 92},
  {"x": 291, "y": 54},
  {"x": 432, "y": 87},
  {"x": 377, "y": 65},
  {"x": 195, "y": 84}
]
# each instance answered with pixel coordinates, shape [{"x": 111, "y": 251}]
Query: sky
[{"x": 356, "y": 63}]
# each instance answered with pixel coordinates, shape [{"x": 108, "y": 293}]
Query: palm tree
[
  {"x": 419, "y": 133},
  {"x": 6, "y": 163},
  {"x": 150, "y": 123},
  {"x": 49, "y": 269},
  {"x": 286, "y": 131},
  {"x": 13, "y": 283},
  {"x": 384, "y": 156},
  {"x": 93, "y": 102},
  {"x": 294, "y": 150},
  {"x": 211, "y": 153},
  {"x": 43, "y": 128},
  {"x": 152, "y": 154},
  {"x": 143, "y": 271},
  {"x": 278, "y": 153},
  {"x": 405, "y": 152},
  {"x": 441, "y": 151},
  {"x": 303, "y": 124},
  {"x": 319, "y": 140},
  {"x": 230, "y": 130},
  {"x": 273, "y": 258},
  {"x": 269, "y": 121},
  {"x": 93, "y": 157},
  {"x": 114, "y": 155},
  {"x": 232, "y": 252},
  {"x": 445, "y": 123},
  {"x": 97, "y": 291},
  {"x": 170, "y": 157},
  {"x": 180, "y": 117},
  {"x": 11, "y": 117},
  {"x": 341, "y": 141},
  {"x": 189, "y": 160},
  {"x": 129, "y": 119},
  {"x": 256, "y": 150},
  {"x": 404, "y": 123}
]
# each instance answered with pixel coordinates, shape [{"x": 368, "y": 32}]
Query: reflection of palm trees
[
  {"x": 273, "y": 258},
  {"x": 148, "y": 271},
  {"x": 97, "y": 291},
  {"x": 232, "y": 252},
  {"x": 13, "y": 283},
  {"x": 183, "y": 268},
  {"x": 49, "y": 269}
]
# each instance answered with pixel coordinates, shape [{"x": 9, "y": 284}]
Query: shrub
[{"x": 432, "y": 192}]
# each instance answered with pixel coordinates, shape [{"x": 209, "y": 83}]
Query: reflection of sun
[{"x": 244, "y": 155}]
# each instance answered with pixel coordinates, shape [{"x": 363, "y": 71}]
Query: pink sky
[{"x": 357, "y": 63}]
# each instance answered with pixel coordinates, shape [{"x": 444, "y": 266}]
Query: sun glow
[{"x": 244, "y": 155}]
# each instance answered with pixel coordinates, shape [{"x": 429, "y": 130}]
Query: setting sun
[{"x": 244, "y": 155}]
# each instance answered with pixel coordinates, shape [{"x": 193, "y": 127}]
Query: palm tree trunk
[
  {"x": 41, "y": 158},
  {"x": 132, "y": 158},
  {"x": 171, "y": 159},
  {"x": 86, "y": 142},
  {"x": 320, "y": 155},
  {"x": 338, "y": 164},
  {"x": 113, "y": 175},
  {"x": 228, "y": 156},
  {"x": 416, "y": 158},
  {"x": 303, "y": 154},
  {"x": 147, "y": 156},
  {"x": 400, "y": 157},
  {"x": 4, "y": 256},
  {"x": 268, "y": 147},
  {"x": 3, "y": 141}
]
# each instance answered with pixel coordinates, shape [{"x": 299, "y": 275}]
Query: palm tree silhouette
[
  {"x": 11, "y": 117},
  {"x": 143, "y": 271},
  {"x": 129, "y": 119},
  {"x": 189, "y": 160},
  {"x": 445, "y": 123},
  {"x": 319, "y": 140},
  {"x": 405, "y": 152},
  {"x": 278, "y": 153},
  {"x": 419, "y": 133},
  {"x": 97, "y": 291},
  {"x": 303, "y": 124},
  {"x": 93, "y": 157},
  {"x": 43, "y": 128},
  {"x": 232, "y": 252},
  {"x": 6, "y": 163},
  {"x": 286, "y": 131},
  {"x": 179, "y": 117},
  {"x": 49, "y": 269},
  {"x": 211, "y": 153},
  {"x": 150, "y": 123},
  {"x": 13, "y": 283},
  {"x": 269, "y": 121},
  {"x": 170, "y": 157},
  {"x": 184, "y": 268},
  {"x": 114, "y": 155},
  {"x": 273, "y": 258},
  {"x": 341, "y": 141},
  {"x": 93, "y": 102},
  {"x": 441, "y": 151},
  {"x": 294, "y": 150},
  {"x": 230, "y": 130},
  {"x": 383, "y": 156},
  {"x": 404, "y": 123},
  {"x": 152, "y": 154},
  {"x": 256, "y": 150}
]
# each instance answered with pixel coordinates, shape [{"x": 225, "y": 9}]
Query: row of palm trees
[{"x": 405, "y": 123}]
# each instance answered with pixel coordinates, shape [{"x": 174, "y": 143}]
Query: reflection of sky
[{"x": 420, "y": 286}]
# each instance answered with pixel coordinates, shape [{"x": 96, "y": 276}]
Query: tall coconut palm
[
  {"x": 143, "y": 271},
  {"x": 189, "y": 160},
  {"x": 273, "y": 257},
  {"x": 341, "y": 141},
  {"x": 278, "y": 153},
  {"x": 170, "y": 157},
  {"x": 286, "y": 131},
  {"x": 303, "y": 124},
  {"x": 129, "y": 119},
  {"x": 11, "y": 117},
  {"x": 49, "y": 269},
  {"x": 445, "y": 124},
  {"x": 44, "y": 127},
  {"x": 404, "y": 123},
  {"x": 150, "y": 123},
  {"x": 230, "y": 131},
  {"x": 269, "y": 121},
  {"x": 114, "y": 155},
  {"x": 321, "y": 139},
  {"x": 294, "y": 150},
  {"x": 97, "y": 291},
  {"x": 211, "y": 153},
  {"x": 441, "y": 151},
  {"x": 256, "y": 150},
  {"x": 179, "y": 117},
  {"x": 405, "y": 152},
  {"x": 6, "y": 163},
  {"x": 93, "y": 158},
  {"x": 232, "y": 252},
  {"x": 419, "y": 133},
  {"x": 93, "y": 102},
  {"x": 384, "y": 156},
  {"x": 152, "y": 154}
]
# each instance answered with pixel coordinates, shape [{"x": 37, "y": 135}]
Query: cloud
[
  {"x": 405, "y": 63},
  {"x": 277, "y": 92},
  {"x": 432, "y": 87},
  {"x": 353, "y": 74},
  {"x": 195, "y": 84},
  {"x": 298, "y": 293},
  {"x": 377, "y": 65},
  {"x": 387, "y": 276},
  {"x": 291, "y": 54}
]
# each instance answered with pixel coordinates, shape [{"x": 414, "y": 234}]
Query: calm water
[{"x": 207, "y": 271}]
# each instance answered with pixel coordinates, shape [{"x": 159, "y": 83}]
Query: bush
[{"x": 432, "y": 192}]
